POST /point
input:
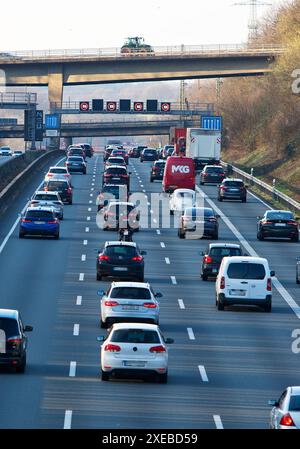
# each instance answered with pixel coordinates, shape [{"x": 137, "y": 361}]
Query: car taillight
[
  {"x": 158, "y": 349},
  {"x": 223, "y": 187},
  {"x": 149, "y": 305},
  {"x": 294, "y": 223},
  {"x": 33, "y": 202},
  {"x": 212, "y": 219},
  {"x": 103, "y": 257},
  {"x": 53, "y": 221},
  {"x": 123, "y": 176},
  {"x": 111, "y": 303},
  {"x": 49, "y": 175},
  {"x": 221, "y": 174},
  {"x": 269, "y": 284},
  {"x": 222, "y": 282},
  {"x": 112, "y": 348},
  {"x": 267, "y": 222},
  {"x": 287, "y": 420},
  {"x": 14, "y": 340},
  {"x": 46, "y": 189},
  {"x": 137, "y": 258},
  {"x": 24, "y": 220},
  {"x": 205, "y": 174},
  {"x": 69, "y": 190},
  {"x": 208, "y": 259}
]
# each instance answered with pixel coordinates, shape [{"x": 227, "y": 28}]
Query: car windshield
[
  {"x": 130, "y": 293},
  {"x": 9, "y": 326},
  {"x": 233, "y": 183},
  {"x": 245, "y": 270},
  {"x": 279, "y": 215},
  {"x": 114, "y": 251},
  {"x": 135, "y": 336},
  {"x": 42, "y": 197},
  {"x": 214, "y": 170},
  {"x": 294, "y": 403},
  {"x": 58, "y": 170},
  {"x": 39, "y": 214},
  {"x": 57, "y": 185},
  {"x": 223, "y": 252}
]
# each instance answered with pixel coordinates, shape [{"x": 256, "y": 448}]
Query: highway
[
  {"x": 4, "y": 159},
  {"x": 224, "y": 365}
]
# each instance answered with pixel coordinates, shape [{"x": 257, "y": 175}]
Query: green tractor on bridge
[{"x": 136, "y": 45}]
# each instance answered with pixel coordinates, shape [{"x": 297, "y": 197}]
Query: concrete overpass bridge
[
  {"x": 58, "y": 68},
  {"x": 107, "y": 129}
]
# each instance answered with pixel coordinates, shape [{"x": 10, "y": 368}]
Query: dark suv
[
  {"x": 76, "y": 151},
  {"x": 121, "y": 260},
  {"x": 88, "y": 149},
  {"x": 13, "y": 341},
  {"x": 212, "y": 174},
  {"x": 213, "y": 256},
  {"x": 62, "y": 187},
  {"x": 116, "y": 174},
  {"x": 157, "y": 170},
  {"x": 233, "y": 189},
  {"x": 148, "y": 154},
  {"x": 112, "y": 192}
]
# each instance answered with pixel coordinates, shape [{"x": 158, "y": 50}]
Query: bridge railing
[
  {"x": 17, "y": 97},
  {"x": 179, "y": 50}
]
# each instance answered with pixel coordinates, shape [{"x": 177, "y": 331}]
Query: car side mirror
[
  {"x": 28, "y": 329},
  {"x": 101, "y": 339},
  {"x": 217, "y": 216},
  {"x": 169, "y": 341},
  {"x": 273, "y": 403},
  {"x": 143, "y": 253},
  {"x": 100, "y": 292},
  {"x": 158, "y": 295},
  {"x": 272, "y": 273}
]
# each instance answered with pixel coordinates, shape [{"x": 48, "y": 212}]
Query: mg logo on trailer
[
  {"x": 180, "y": 169},
  {"x": 213, "y": 122}
]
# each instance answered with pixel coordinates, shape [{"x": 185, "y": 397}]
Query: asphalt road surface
[{"x": 224, "y": 365}]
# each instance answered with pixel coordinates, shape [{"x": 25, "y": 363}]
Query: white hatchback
[
  {"x": 129, "y": 301},
  {"x": 134, "y": 349},
  {"x": 244, "y": 280},
  {"x": 182, "y": 199},
  {"x": 58, "y": 172}
]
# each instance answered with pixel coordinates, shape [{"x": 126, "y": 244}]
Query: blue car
[{"x": 39, "y": 221}]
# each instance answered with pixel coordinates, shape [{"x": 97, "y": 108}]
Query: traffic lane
[
  {"x": 280, "y": 253},
  {"x": 33, "y": 289},
  {"x": 285, "y": 320},
  {"x": 87, "y": 404},
  {"x": 4, "y": 159}
]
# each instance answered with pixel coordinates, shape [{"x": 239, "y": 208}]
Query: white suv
[
  {"x": 129, "y": 301},
  {"x": 244, "y": 280}
]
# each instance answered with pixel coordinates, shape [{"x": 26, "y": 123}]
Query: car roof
[
  {"x": 131, "y": 284},
  {"x": 224, "y": 245},
  {"x": 124, "y": 186},
  {"x": 145, "y": 326},
  {"x": 57, "y": 166},
  {"x": 295, "y": 390},
  {"x": 117, "y": 166},
  {"x": 246, "y": 259},
  {"x": 42, "y": 208},
  {"x": 46, "y": 192},
  {"x": 214, "y": 166},
  {"x": 118, "y": 243},
  {"x": 278, "y": 211},
  {"x": 160, "y": 160},
  {"x": 9, "y": 313},
  {"x": 184, "y": 190},
  {"x": 121, "y": 203},
  {"x": 232, "y": 179}
]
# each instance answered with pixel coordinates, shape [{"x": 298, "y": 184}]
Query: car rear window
[
  {"x": 214, "y": 170},
  {"x": 148, "y": 151},
  {"x": 246, "y": 270},
  {"x": 130, "y": 293},
  {"x": 120, "y": 209},
  {"x": 233, "y": 183},
  {"x": 57, "y": 185},
  {"x": 185, "y": 195},
  {"x": 199, "y": 212},
  {"x": 135, "y": 336},
  {"x": 9, "y": 326},
  {"x": 225, "y": 252},
  {"x": 279, "y": 216},
  {"x": 39, "y": 214},
  {"x": 58, "y": 170},
  {"x": 116, "y": 170},
  {"x": 160, "y": 164},
  {"x": 42, "y": 197},
  {"x": 294, "y": 403},
  {"x": 116, "y": 160},
  {"x": 113, "y": 251},
  {"x": 75, "y": 159}
]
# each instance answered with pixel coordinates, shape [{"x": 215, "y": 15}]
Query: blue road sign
[
  {"x": 211, "y": 122},
  {"x": 52, "y": 121}
]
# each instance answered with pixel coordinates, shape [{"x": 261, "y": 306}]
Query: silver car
[
  {"x": 129, "y": 301},
  {"x": 51, "y": 199},
  {"x": 285, "y": 413}
]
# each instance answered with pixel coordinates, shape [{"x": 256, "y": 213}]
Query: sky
[{"x": 62, "y": 24}]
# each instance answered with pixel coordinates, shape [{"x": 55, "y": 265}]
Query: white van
[{"x": 244, "y": 280}]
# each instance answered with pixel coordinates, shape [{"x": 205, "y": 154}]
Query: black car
[
  {"x": 62, "y": 187},
  {"x": 76, "y": 164},
  {"x": 212, "y": 174},
  {"x": 13, "y": 340},
  {"x": 76, "y": 151},
  {"x": 157, "y": 170},
  {"x": 278, "y": 223},
  {"x": 135, "y": 152},
  {"x": 88, "y": 149},
  {"x": 120, "y": 260},
  {"x": 112, "y": 192},
  {"x": 121, "y": 215},
  {"x": 213, "y": 256},
  {"x": 232, "y": 189},
  {"x": 116, "y": 174},
  {"x": 167, "y": 151},
  {"x": 199, "y": 222},
  {"x": 148, "y": 154}
]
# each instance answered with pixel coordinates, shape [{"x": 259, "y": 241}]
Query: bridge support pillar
[{"x": 55, "y": 96}]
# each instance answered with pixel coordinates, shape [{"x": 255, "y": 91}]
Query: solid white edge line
[
  {"x": 68, "y": 419},
  {"x": 277, "y": 284},
  {"x": 202, "y": 372},
  {"x": 76, "y": 330},
  {"x": 78, "y": 300},
  {"x": 191, "y": 333},
  {"x": 218, "y": 422},
  {"x": 72, "y": 370},
  {"x": 181, "y": 304}
]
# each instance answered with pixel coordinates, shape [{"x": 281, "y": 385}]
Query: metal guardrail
[
  {"x": 179, "y": 50},
  {"x": 18, "y": 97},
  {"x": 264, "y": 187}
]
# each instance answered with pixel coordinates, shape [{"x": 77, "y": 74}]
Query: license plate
[
  {"x": 214, "y": 270},
  {"x": 116, "y": 179},
  {"x": 233, "y": 190},
  {"x": 39, "y": 222},
  {"x": 130, "y": 307},
  {"x": 120, "y": 268},
  {"x": 237, "y": 292},
  {"x": 133, "y": 363},
  {"x": 280, "y": 224}
]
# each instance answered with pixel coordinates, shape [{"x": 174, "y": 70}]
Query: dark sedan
[
  {"x": 232, "y": 189},
  {"x": 278, "y": 223},
  {"x": 212, "y": 174},
  {"x": 157, "y": 170},
  {"x": 116, "y": 174},
  {"x": 213, "y": 256},
  {"x": 198, "y": 222},
  {"x": 76, "y": 164},
  {"x": 148, "y": 154},
  {"x": 120, "y": 260}
]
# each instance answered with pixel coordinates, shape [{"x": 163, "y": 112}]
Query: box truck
[{"x": 204, "y": 146}]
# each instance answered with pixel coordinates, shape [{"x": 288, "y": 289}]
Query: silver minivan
[{"x": 244, "y": 280}]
